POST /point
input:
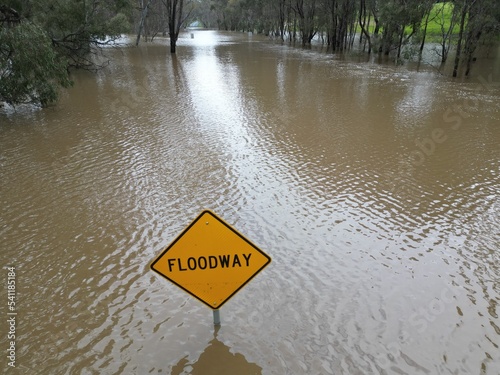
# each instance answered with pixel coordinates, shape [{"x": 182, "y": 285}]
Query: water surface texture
[{"x": 374, "y": 188}]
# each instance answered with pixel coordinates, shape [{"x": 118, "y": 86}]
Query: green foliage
[
  {"x": 118, "y": 24},
  {"x": 76, "y": 26},
  {"x": 30, "y": 70},
  {"x": 94, "y": 19},
  {"x": 40, "y": 40},
  {"x": 441, "y": 17}
]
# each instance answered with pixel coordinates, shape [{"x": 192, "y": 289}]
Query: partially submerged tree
[
  {"x": 176, "y": 18},
  {"x": 306, "y": 11},
  {"x": 30, "y": 69},
  {"x": 446, "y": 26},
  {"x": 399, "y": 16},
  {"x": 363, "y": 14},
  {"x": 172, "y": 12},
  {"x": 78, "y": 28},
  {"x": 145, "y": 4},
  {"x": 483, "y": 21},
  {"x": 479, "y": 19},
  {"x": 40, "y": 40},
  {"x": 342, "y": 22}
]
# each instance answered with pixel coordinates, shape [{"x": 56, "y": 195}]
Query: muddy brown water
[{"x": 374, "y": 188}]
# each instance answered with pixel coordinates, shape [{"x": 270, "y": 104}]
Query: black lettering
[
  {"x": 180, "y": 265},
  {"x": 170, "y": 264},
  {"x": 236, "y": 260},
  {"x": 224, "y": 260},
  {"x": 212, "y": 262},
  {"x": 247, "y": 258},
  {"x": 191, "y": 263},
  {"x": 200, "y": 259}
]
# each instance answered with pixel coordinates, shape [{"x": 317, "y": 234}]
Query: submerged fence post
[{"x": 216, "y": 317}]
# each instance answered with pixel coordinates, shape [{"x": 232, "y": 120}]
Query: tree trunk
[
  {"x": 475, "y": 25},
  {"x": 175, "y": 21},
  {"x": 333, "y": 33},
  {"x": 425, "y": 32},
  {"x": 362, "y": 22},
  {"x": 144, "y": 14},
  {"x": 400, "y": 42},
  {"x": 173, "y": 44},
  {"x": 470, "y": 49},
  {"x": 281, "y": 26},
  {"x": 386, "y": 39},
  {"x": 460, "y": 38}
]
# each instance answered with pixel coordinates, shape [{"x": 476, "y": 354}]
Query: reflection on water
[
  {"x": 374, "y": 188},
  {"x": 217, "y": 359}
]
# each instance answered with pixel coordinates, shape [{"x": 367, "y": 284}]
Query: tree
[
  {"x": 463, "y": 17},
  {"x": 174, "y": 12},
  {"x": 175, "y": 15},
  {"x": 428, "y": 10},
  {"x": 341, "y": 23},
  {"x": 282, "y": 10},
  {"x": 30, "y": 69},
  {"x": 41, "y": 40},
  {"x": 362, "y": 23},
  {"x": 396, "y": 16},
  {"x": 78, "y": 28},
  {"x": 483, "y": 21},
  {"x": 175, "y": 9},
  {"x": 306, "y": 10},
  {"x": 446, "y": 27},
  {"x": 479, "y": 19}
]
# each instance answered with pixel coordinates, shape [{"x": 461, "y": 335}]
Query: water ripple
[{"x": 379, "y": 264}]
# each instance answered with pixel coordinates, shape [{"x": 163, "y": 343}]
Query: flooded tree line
[
  {"x": 382, "y": 26},
  {"x": 378, "y": 26},
  {"x": 41, "y": 41}
]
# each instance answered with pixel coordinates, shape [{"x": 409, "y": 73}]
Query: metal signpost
[{"x": 211, "y": 261}]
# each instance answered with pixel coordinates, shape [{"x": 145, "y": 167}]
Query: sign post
[
  {"x": 211, "y": 261},
  {"x": 217, "y": 317}
]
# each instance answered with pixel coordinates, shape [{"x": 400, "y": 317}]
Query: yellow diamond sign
[{"x": 210, "y": 260}]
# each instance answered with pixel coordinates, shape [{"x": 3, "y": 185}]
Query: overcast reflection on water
[{"x": 374, "y": 188}]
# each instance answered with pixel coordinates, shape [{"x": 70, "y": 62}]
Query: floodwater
[{"x": 374, "y": 188}]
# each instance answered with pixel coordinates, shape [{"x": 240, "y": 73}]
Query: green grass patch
[
  {"x": 440, "y": 21},
  {"x": 440, "y": 18}
]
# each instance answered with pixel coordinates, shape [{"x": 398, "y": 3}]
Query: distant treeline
[
  {"x": 379, "y": 26},
  {"x": 383, "y": 26},
  {"x": 40, "y": 41}
]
